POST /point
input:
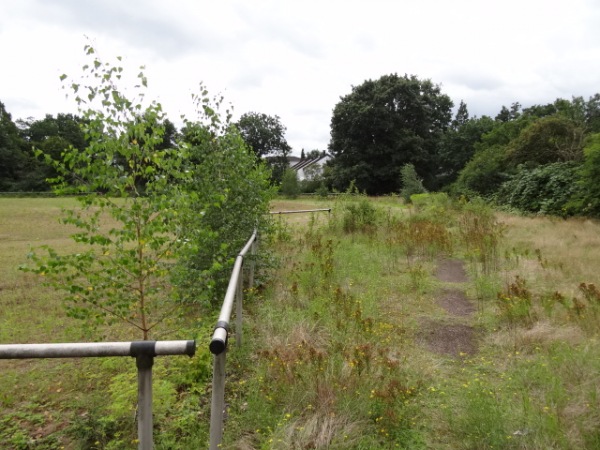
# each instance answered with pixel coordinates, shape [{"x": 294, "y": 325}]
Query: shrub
[
  {"x": 411, "y": 183},
  {"x": 229, "y": 196},
  {"x": 359, "y": 216},
  {"x": 587, "y": 198},
  {"x": 546, "y": 189},
  {"x": 289, "y": 184}
]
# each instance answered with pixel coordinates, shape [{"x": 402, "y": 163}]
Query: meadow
[{"x": 438, "y": 325}]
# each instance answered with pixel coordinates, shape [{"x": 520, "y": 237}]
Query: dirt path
[{"x": 451, "y": 336}]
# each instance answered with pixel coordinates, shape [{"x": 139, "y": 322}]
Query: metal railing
[
  {"x": 143, "y": 352},
  {"x": 301, "y": 211},
  {"x": 218, "y": 343}
]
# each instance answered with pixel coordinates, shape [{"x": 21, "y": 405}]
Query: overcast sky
[{"x": 295, "y": 59}]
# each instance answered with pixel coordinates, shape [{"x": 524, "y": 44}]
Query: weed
[
  {"x": 481, "y": 234},
  {"x": 360, "y": 216},
  {"x": 515, "y": 304},
  {"x": 418, "y": 277},
  {"x": 332, "y": 361}
]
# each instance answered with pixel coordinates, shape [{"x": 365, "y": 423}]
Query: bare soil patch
[
  {"x": 456, "y": 303},
  {"x": 451, "y": 271},
  {"x": 452, "y": 339}
]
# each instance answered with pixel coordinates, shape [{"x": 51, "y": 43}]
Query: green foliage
[
  {"x": 547, "y": 140},
  {"x": 353, "y": 212},
  {"x": 381, "y": 126},
  {"x": 229, "y": 197},
  {"x": 483, "y": 174},
  {"x": 265, "y": 135},
  {"x": 481, "y": 234},
  {"x": 159, "y": 220},
  {"x": 411, "y": 183},
  {"x": 359, "y": 215},
  {"x": 458, "y": 146},
  {"x": 489, "y": 167},
  {"x": 13, "y": 160},
  {"x": 290, "y": 186},
  {"x": 436, "y": 202},
  {"x": 587, "y": 199},
  {"x": 129, "y": 212},
  {"x": 506, "y": 156},
  {"x": 546, "y": 189},
  {"x": 322, "y": 190}
]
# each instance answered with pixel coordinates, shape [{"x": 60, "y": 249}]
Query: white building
[{"x": 309, "y": 168}]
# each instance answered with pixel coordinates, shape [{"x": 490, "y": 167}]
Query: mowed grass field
[{"x": 341, "y": 343}]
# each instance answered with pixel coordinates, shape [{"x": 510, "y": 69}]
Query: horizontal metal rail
[
  {"x": 143, "y": 352},
  {"x": 301, "y": 211},
  {"x": 97, "y": 349},
  {"x": 218, "y": 343},
  {"x": 219, "y": 339}
]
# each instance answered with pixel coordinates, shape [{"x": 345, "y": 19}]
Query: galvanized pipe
[
  {"x": 301, "y": 211},
  {"x": 143, "y": 351},
  {"x": 144, "y": 365},
  {"x": 96, "y": 349},
  {"x": 238, "y": 312},
  {"x": 219, "y": 339},
  {"x": 218, "y": 343},
  {"x": 217, "y": 407},
  {"x": 252, "y": 264}
]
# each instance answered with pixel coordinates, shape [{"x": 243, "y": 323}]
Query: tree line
[
  {"x": 22, "y": 171},
  {"x": 540, "y": 159}
]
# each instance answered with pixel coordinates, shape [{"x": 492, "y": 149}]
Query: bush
[
  {"x": 359, "y": 216},
  {"x": 587, "y": 199},
  {"x": 289, "y": 184},
  {"x": 411, "y": 183},
  {"x": 229, "y": 197},
  {"x": 483, "y": 174},
  {"x": 544, "y": 190}
]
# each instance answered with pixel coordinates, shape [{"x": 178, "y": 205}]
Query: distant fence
[
  {"x": 301, "y": 211},
  {"x": 32, "y": 194}
]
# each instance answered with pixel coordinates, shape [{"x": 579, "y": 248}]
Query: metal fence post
[
  {"x": 252, "y": 263},
  {"x": 144, "y": 365},
  {"x": 238, "y": 313},
  {"x": 217, "y": 408}
]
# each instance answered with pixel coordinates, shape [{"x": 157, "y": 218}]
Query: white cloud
[{"x": 295, "y": 59}]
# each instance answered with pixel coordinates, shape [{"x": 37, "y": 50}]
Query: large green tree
[
  {"x": 265, "y": 135},
  {"x": 383, "y": 125},
  {"x": 457, "y": 146},
  {"x": 520, "y": 141},
  {"x": 52, "y": 135},
  {"x": 547, "y": 140},
  {"x": 66, "y": 127},
  {"x": 12, "y": 158}
]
